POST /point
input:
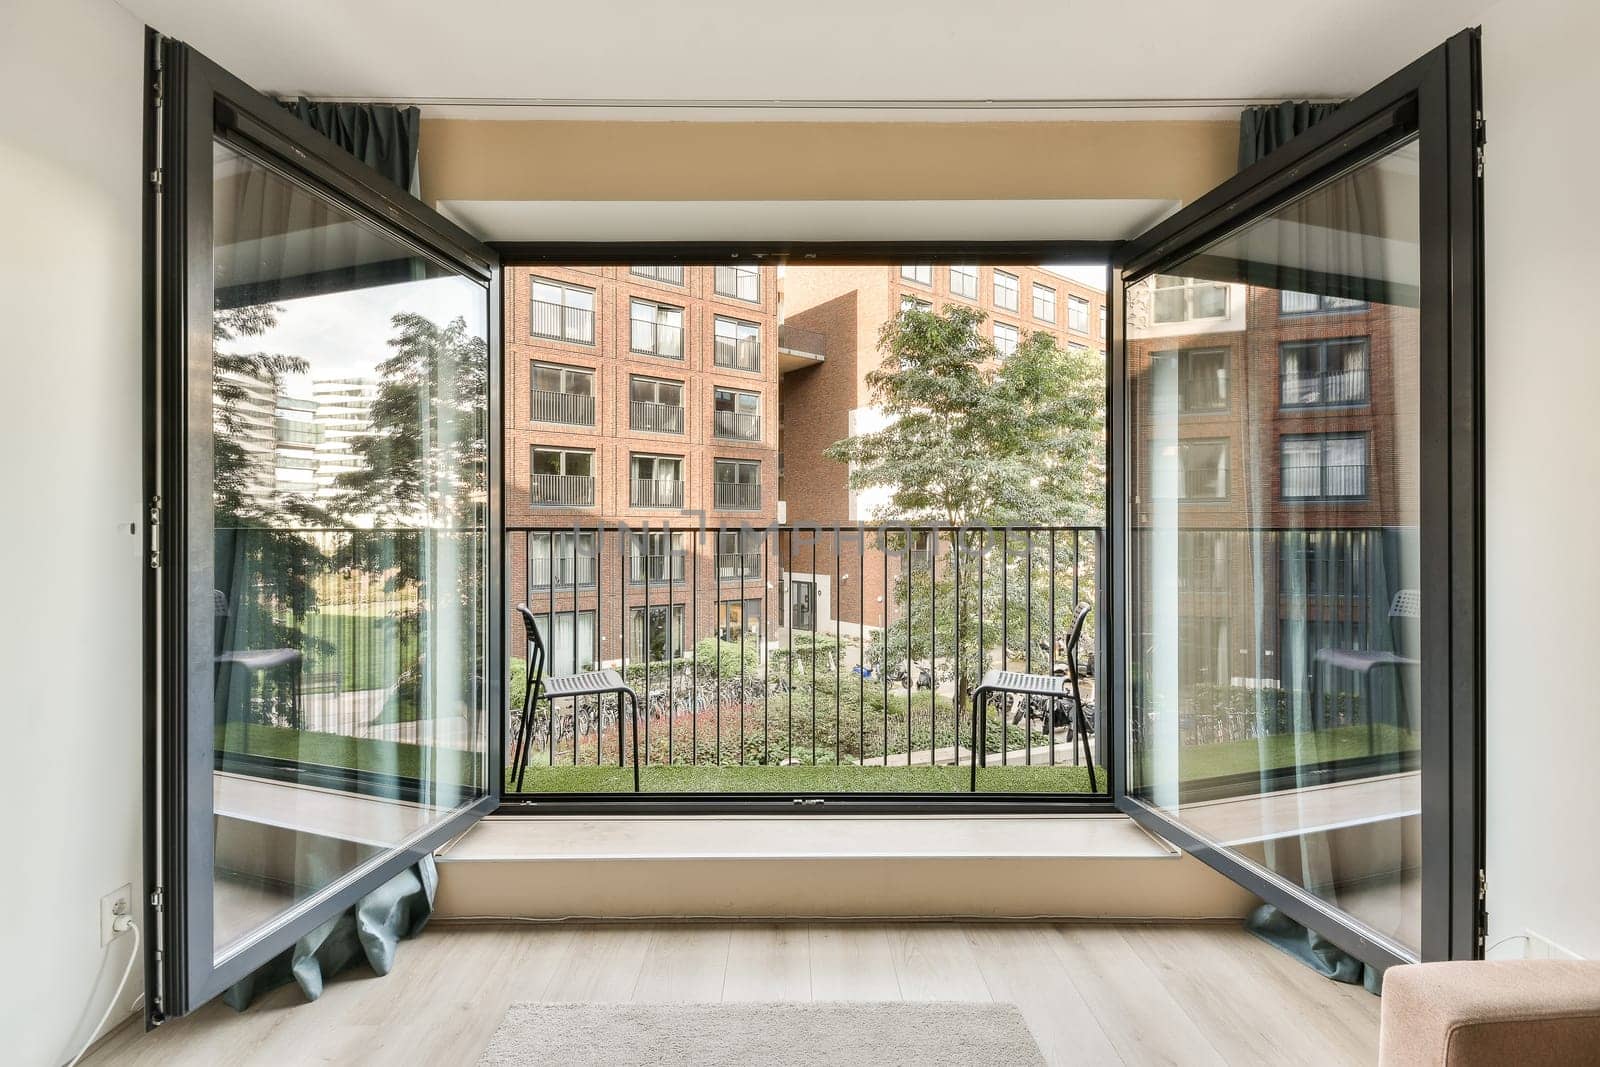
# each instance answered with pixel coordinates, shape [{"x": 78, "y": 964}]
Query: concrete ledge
[{"x": 827, "y": 867}]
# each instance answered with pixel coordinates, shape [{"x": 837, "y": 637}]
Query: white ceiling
[{"x": 634, "y": 52}]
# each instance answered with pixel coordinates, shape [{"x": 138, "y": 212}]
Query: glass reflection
[
  {"x": 349, "y": 391},
  {"x": 1275, "y": 533}
]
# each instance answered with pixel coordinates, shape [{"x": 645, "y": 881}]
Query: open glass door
[
  {"x": 326, "y": 487},
  {"x": 1296, "y": 505}
]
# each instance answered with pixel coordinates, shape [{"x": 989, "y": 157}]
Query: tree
[{"x": 979, "y": 443}]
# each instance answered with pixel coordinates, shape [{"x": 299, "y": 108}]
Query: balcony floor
[{"x": 1091, "y": 993}]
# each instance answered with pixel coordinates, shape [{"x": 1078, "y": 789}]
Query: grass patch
[
  {"x": 1279, "y": 750},
  {"x": 399, "y": 758},
  {"x": 844, "y": 778}
]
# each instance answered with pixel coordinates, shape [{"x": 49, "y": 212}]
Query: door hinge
[
  {"x": 1481, "y": 919},
  {"x": 155, "y": 532},
  {"x": 158, "y": 898},
  {"x": 1480, "y": 137},
  {"x": 155, "y": 179}
]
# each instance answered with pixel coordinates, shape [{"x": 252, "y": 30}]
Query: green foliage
[{"x": 973, "y": 437}]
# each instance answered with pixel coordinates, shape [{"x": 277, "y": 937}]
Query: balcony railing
[
  {"x": 563, "y": 490},
  {"x": 1326, "y": 390},
  {"x": 655, "y": 418},
  {"x": 811, "y": 649},
  {"x": 656, "y": 493},
  {"x": 657, "y": 339},
  {"x": 736, "y": 426},
  {"x": 1334, "y": 481},
  {"x": 738, "y": 496},
  {"x": 568, "y": 409},
  {"x": 672, "y": 275},
  {"x": 742, "y": 353},
  {"x": 563, "y": 323}
]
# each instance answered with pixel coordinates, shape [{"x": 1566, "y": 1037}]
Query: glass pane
[
  {"x": 348, "y": 632},
  {"x": 1273, "y": 548}
]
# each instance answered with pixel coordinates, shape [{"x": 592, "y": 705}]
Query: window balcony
[
  {"x": 738, "y": 353},
  {"x": 736, "y": 426},
  {"x": 563, "y": 490},
  {"x": 738, "y": 496},
  {"x": 656, "y": 493},
  {"x": 562, "y": 323},
  {"x": 567, "y": 409},
  {"x": 655, "y": 418}
]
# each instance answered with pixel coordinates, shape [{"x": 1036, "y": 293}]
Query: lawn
[
  {"x": 1320, "y": 746},
  {"x": 828, "y": 778},
  {"x": 398, "y": 758}
]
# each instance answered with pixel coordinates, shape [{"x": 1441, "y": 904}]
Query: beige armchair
[{"x": 1491, "y": 1014}]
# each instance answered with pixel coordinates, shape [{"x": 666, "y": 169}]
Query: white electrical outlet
[{"x": 115, "y": 903}]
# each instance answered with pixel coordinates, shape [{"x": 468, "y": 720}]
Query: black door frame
[
  {"x": 190, "y": 103},
  {"x": 1437, "y": 99}
]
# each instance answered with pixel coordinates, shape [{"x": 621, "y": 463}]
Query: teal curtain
[
  {"x": 1262, "y": 129},
  {"x": 370, "y": 931},
  {"x": 382, "y": 136},
  {"x": 1312, "y": 949}
]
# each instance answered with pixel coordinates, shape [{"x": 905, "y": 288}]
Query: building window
[
  {"x": 1078, "y": 314},
  {"x": 738, "y": 484},
  {"x": 564, "y": 559},
  {"x": 1327, "y": 373},
  {"x": 738, "y": 554},
  {"x": 1202, "y": 378},
  {"x": 1102, "y": 322},
  {"x": 741, "y": 283},
  {"x": 562, "y": 477},
  {"x": 736, "y": 618},
  {"x": 657, "y": 329},
  {"x": 736, "y": 415},
  {"x": 562, "y": 394},
  {"x": 1005, "y": 290},
  {"x": 964, "y": 281},
  {"x": 655, "y": 405},
  {"x": 670, "y": 275},
  {"x": 908, "y": 302},
  {"x": 1187, "y": 299},
  {"x": 657, "y": 481},
  {"x": 738, "y": 344},
  {"x": 1044, "y": 303},
  {"x": 1203, "y": 466},
  {"x": 1006, "y": 338},
  {"x": 1293, "y": 303},
  {"x": 563, "y": 312},
  {"x": 575, "y": 647},
  {"x": 657, "y": 557},
  {"x": 1324, "y": 466},
  {"x": 663, "y": 637},
  {"x": 921, "y": 273}
]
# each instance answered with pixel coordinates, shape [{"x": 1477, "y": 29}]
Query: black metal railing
[
  {"x": 655, "y": 418},
  {"x": 738, "y": 496},
  {"x": 569, "y": 409},
  {"x": 562, "y": 490},
  {"x": 812, "y": 647},
  {"x": 562, "y": 323},
  {"x": 1332, "y": 481},
  {"x": 660, "y": 273},
  {"x": 736, "y": 426},
  {"x": 1331, "y": 389},
  {"x": 656, "y": 493},
  {"x": 739, "y": 284}
]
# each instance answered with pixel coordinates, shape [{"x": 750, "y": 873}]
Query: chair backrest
[
  {"x": 535, "y": 651},
  {"x": 1080, "y": 613},
  {"x": 1407, "y": 604}
]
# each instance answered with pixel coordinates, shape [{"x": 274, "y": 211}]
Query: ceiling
[{"x": 941, "y": 55}]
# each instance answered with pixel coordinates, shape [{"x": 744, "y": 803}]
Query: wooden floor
[{"x": 1091, "y": 993}]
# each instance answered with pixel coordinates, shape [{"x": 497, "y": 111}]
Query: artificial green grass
[
  {"x": 1279, "y": 750},
  {"x": 398, "y": 758},
  {"x": 806, "y": 778}
]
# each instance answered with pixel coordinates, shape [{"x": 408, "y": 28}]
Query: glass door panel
[
  {"x": 348, "y": 391},
  {"x": 1274, "y": 544}
]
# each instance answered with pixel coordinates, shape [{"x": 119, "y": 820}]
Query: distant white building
[{"x": 343, "y": 411}]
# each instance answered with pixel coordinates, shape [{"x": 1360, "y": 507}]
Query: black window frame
[
  {"x": 1321, "y": 345},
  {"x": 1323, "y": 439}
]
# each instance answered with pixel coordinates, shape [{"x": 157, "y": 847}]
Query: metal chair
[
  {"x": 1032, "y": 685},
  {"x": 589, "y": 683},
  {"x": 257, "y": 662},
  {"x": 1407, "y": 604}
]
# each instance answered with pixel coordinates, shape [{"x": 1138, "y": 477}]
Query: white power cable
[{"x": 122, "y": 923}]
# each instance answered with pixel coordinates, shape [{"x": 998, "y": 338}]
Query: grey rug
[{"x": 808, "y": 1034}]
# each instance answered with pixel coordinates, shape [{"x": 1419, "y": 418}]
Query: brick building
[
  {"x": 641, "y": 408},
  {"x": 841, "y": 309},
  {"x": 1277, "y": 431}
]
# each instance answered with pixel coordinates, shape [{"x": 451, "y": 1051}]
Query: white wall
[
  {"x": 1541, "y": 84},
  {"x": 70, "y": 134}
]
